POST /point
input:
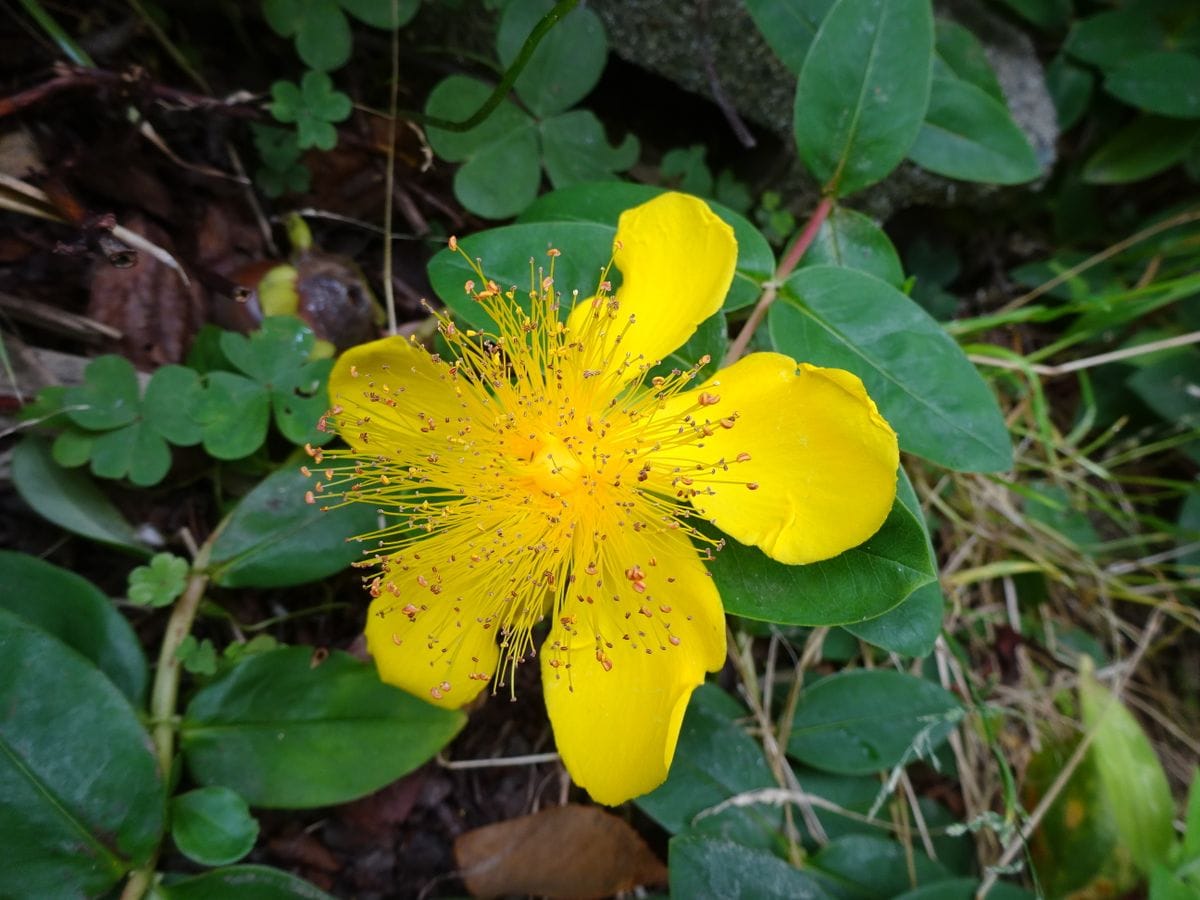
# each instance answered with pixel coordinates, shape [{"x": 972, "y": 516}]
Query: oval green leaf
[
  {"x": 703, "y": 866},
  {"x": 69, "y": 498},
  {"x": 863, "y": 91},
  {"x": 287, "y": 733},
  {"x": 862, "y": 583},
  {"x": 212, "y": 826},
  {"x": 76, "y": 612},
  {"x": 863, "y": 721},
  {"x": 275, "y": 538},
  {"x": 575, "y": 149},
  {"x": 789, "y": 26},
  {"x": 242, "y": 883},
  {"x": 81, "y": 799},
  {"x": 849, "y": 239},
  {"x": 924, "y": 384},
  {"x": 1146, "y": 146},
  {"x": 603, "y": 202},
  {"x": 1166, "y": 82},
  {"x": 866, "y": 865},
  {"x": 715, "y": 760},
  {"x": 968, "y": 134}
]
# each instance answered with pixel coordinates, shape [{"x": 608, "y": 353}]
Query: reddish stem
[{"x": 786, "y": 266}]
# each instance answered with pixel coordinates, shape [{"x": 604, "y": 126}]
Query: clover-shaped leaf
[
  {"x": 136, "y": 452},
  {"x": 212, "y": 825},
  {"x": 378, "y": 13},
  {"x": 567, "y": 62},
  {"x": 232, "y": 413},
  {"x": 197, "y": 657},
  {"x": 575, "y": 149},
  {"x": 312, "y": 106},
  {"x": 169, "y": 403},
  {"x": 159, "y": 582},
  {"x": 319, "y": 27},
  {"x": 108, "y": 397}
]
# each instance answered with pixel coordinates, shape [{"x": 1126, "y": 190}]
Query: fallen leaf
[{"x": 561, "y": 852}]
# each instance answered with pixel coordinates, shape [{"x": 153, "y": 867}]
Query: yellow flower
[{"x": 545, "y": 474}]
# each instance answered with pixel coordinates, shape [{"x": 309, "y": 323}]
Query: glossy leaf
[
  {"x": 169, "y": 404},
  {"x": 136, "y": 452},
  {"x": 500, "y": 172},
  {"x": 275, "y": 538},
  {"x": 968, "y": 134},
  {"x": 76, "y": 612},
  {"x": 853, "y": 241},
  {"x": 863, "y": 91},
  {"x": 567, "y": 62},
  {"x": 242, "y": 883},
  {"x": 1146, "y": 146},
  {"x": 923, "y": 383},
  {"x": 715, "y": 760},
  {"x": 81, "y": 799},
  {"x": 861, "y": 721},
  {"x": 603, "y": 202},
  {"x": 702, "y": 866},
  {"x": 233, "y": 415},
  {"x": 69, "y": 498},
  {"x": 789, "y": 26},
  {"x": 962, "y": 57},
  {"x": 1165, "y": 82},
  {"x": 212, "y": 826},
  {"x": 286, "y": 732},
  {"x": 1108, "y": 39},
  {"x": 1070, "y": 87},
  {"x": 862, "y": 583}
]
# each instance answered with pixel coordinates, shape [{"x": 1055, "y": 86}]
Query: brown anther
[
  {"x": 707, "y": 399},
  {"x": 309, "y": 498},
  {"x": 743, "y": 457},
  {"x": 603, "y": 659},
  {"x": 752, "y": 485},
  {"x": 726, "y": 423},
  {"x": 674, "y": 639},
  {"x": 552, "y": 252},
  {"x": 453, "y": 242},
  {"x": 354, "y": 371}
]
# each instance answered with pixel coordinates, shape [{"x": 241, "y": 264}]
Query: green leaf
[
  {"x": 197, "y": 657},
  {"x": 170, "y": 403},
  {"x": 322, "y": 33},
  {"x": 242, "y": 883},
  {"x": 603, "y": 202},
  {"x": 73, "y": 447},
  {"x": 274, "y": 538},
  {"x": 702, "y": 866},
  {"x": 710, "y": 339},
  {"x": 965, "y": 889},
  {"x": 789, "y": 26},
  {"x": 312, "y": 106},
  {"x": 501, "y": 172},
  {"x": 285, "y": 733},
  {"x": 862, "y": 583},
  {"x": 1048, "y": 15},
  {"x": 232, "y": 414},
  {"x": 862, "y": 721},
  {"x": 379, "y": 13},
  {"x": 76, "y": 612},
  {"x": 108, "y": 397},
  {"x": 924, "y": 384},
  {"x": 853, "y": 241},
  {"x": 960, "y": 56},
  {"x": 684, "y": 169},
  {"x": 1190, "y": 849},
  {"x": 970, "y": 135},
  {"x": 136, "y": 452},
  {"x": 159, "y": 582},
  {"x": 568, "y": 61},
  {"x": 1070, "y": 87},
  {"x": 575, "y": 149},
  {"x": 81, "y": 799},
  {"x": 1164, "y": 82},
  {"x": 1109, "y": 38},
  {"x": 1146, "y": 146},
  {"x": 912, "y": 627},
  {"x": 299, "y": 401},
  {"x": 1130, "y": 774},
  {"x": 69, "y": 498},
  {"x": 863, "y": 91},
  {"x": 715, "y": 760},
  {"x": 212, "y": 826},
  {"x": 866, "y": 865}
]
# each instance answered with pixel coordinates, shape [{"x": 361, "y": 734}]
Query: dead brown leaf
[
  {"x": 561, "y": 852},
  {"x": 148, "y": 303}
]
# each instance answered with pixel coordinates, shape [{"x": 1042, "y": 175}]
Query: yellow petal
[
  {"x": 407, "y": 395},
  {"x": 676, "y": 259},
  {"x": 808, "y": 468},
  {"x": 617, "y": 674},
  {"x": 431, "y": 644}
]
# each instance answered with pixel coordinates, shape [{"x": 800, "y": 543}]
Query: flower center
[{"x": 553, "y": 467}]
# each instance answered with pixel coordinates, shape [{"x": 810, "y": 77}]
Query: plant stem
[
  {"x": 786, "y": 266},
  {"x": 165, "y": 693}
]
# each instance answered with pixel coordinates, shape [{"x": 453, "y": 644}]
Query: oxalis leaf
[{"x": 922, "y": 381}]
